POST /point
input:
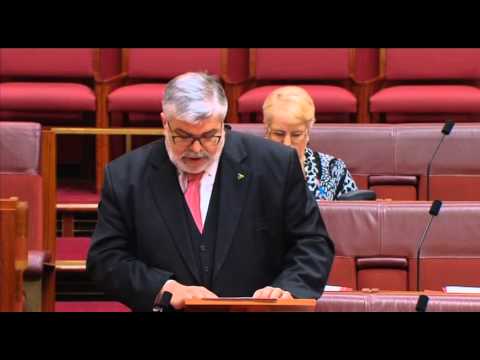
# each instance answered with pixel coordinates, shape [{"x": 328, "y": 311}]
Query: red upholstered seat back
[
  {"x": 353, "y": 143},
  {"x": 427, "y": 85},
  {"x": 46, "y": 62},
  {"x": 415, "y": 144},
  {"x": 20, "y": 147},
  {"x": 366, "y": 149},
  {"x": 451, "y": 254},
  {"x": 456, "y": 168},
  {"x": 341, "y": 220},
  {"x": 381, "y": 239},
  {"x": 168, "y": 63},
  {"x": 253, "y": 129},
  {"x": 302, "y": 64},
  {"x": 19, "y": 173},
  {"x": 149, "y": 70},
  {"x": 393, "y": 159},
  {"x": 357, "y": 232},
  {"x": 424, "y": 64}
]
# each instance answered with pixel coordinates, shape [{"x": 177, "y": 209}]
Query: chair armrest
[{"x": 37, "y": 259}]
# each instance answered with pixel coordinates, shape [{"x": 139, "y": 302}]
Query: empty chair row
[{"x": 347, "y": 85}]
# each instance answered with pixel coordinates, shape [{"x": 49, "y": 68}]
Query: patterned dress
[{"x": 326, "y": 176}]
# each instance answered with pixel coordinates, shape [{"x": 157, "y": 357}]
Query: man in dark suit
[{"x": 207, "y": 212}]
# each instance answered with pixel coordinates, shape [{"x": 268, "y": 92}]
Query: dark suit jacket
[{"x": 270, "y": 231}]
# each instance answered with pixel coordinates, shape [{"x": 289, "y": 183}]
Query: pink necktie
[{"x": 192, "y": 195}]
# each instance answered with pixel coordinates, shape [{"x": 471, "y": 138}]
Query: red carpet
[{"x": 90, "y": 306}]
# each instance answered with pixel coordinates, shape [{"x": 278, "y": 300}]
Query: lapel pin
[{"x": 240, "y": 176}]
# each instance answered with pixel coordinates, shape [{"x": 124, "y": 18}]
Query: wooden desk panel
[{"x": 251, "y": 305}]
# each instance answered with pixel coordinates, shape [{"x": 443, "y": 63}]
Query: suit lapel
[
  {"x": 163, "y": 183},
  {"x": 235, "y": 181}
]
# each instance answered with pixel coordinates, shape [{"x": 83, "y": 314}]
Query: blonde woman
[{"x": 288, "y": 115}]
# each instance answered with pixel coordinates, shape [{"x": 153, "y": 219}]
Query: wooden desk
[
  {"x": 251, "y": 305},
  {"x": 399, "y": 293}
]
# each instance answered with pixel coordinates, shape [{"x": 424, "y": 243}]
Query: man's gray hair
[{"x": 194, "y": 96}]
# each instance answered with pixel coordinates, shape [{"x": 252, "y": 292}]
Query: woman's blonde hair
[{"x": 291, "y": 100}]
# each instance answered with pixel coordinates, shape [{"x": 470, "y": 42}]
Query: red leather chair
[
  {"x": 427, "y": 85},
  {"x": 26, "y": 159},
  {"x": 135, "y": 96},
  {"x": 343, "y": 220},
  {"x": 139, "y": 89},
  {"x": 455, "y": 172},
  {"x": 451, "y": 253},
  {"x": 325, "y": 73},
  {"x": 376, "y": 244},
  {"x": 59, "y": 87},
  {"x": 367, "y": 149}
]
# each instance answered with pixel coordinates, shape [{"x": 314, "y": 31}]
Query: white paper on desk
[
  {"x": 461, "y": 289},
  {"x": 336, "y": 288}
]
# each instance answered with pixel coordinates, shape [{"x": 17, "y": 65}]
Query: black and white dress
[{"x": 327, "y": 177}]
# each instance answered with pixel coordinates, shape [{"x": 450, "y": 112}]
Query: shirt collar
[{"x": 208, "y": 175}]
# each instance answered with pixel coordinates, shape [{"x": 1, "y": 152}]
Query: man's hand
[
  {"x": 180, "y": 293},
  {"x": 269, "y": 292}
]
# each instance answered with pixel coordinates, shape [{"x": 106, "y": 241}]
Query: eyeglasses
[
  {"x": 296, "y": 136},
  {"x": 187, "y": 140}
]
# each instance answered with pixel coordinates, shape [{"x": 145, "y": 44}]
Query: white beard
[{"x": 180, "y": 165}]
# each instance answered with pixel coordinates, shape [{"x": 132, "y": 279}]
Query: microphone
[
  {"x": 446, "y": 130},
  {"x": 434, "y": 210},
  {"x": 422, "y": 303}
]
